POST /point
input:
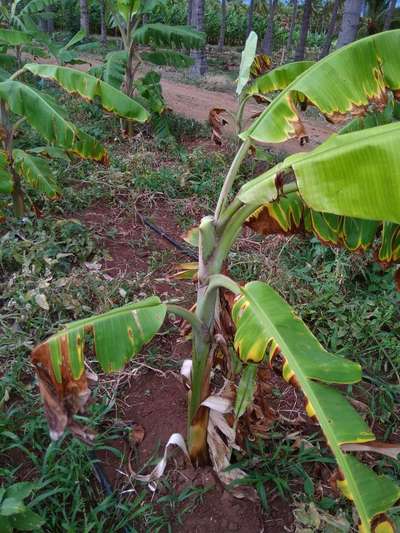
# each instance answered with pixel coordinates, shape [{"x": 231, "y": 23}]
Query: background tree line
[{"x": 284, "y": 27}]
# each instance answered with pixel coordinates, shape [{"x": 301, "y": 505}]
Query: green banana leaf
[
  {"x": 162, "y": 35},
  {"x": 128, "y": 8},
  {"x": 42, "y": 116},
  {"x": 75, "y": 81},
  {"x": 6, "y": 181},
  {"x": 265, "y": 322},
  {"x": 14, "y": 37},
  {"x": 149, "y": 88},
  {"x": 355, "y": 175},
  {"x": 371, "y": 68},
  {"x": 169, "y": 58},
  {"x": 34, "y": 6},
  {"x": 115, "y": 67},
  {"x": 37, "y": 172}
]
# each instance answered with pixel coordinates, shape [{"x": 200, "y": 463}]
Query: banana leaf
[{"x": 266, "y": 323}]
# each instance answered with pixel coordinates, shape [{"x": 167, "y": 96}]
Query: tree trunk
[
  {"x": 221, "y": 41},
  {"x": 190, "y": 13},
  {"x": 103, "y": 26},
  {"x": 291, "y": 29},
  {"x": 250, "y": 16},
  {"x": 389, "y": 15},
  {"x": 305, "y": 23},
  {"x": 200, "y": 59},
  {"x": 269, "y": 34},
  {"x": 331, "y": 29},
  {"x": 84, "y": 16},
  {"x": 350, "y": 22}
]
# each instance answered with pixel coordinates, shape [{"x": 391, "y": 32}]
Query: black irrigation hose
[
  {"x": 103, "y": 480},
  {"x": 182, "y": 248}
]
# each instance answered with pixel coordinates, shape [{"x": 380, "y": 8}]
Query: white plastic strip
[{"x": 175, "y": 439}]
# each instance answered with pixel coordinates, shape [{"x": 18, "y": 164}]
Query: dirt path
[{"x": 195, "y": 102}]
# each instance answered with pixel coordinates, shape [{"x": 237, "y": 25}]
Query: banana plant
[
  {"x": 20, "y": 103},
  {"x": 165, "y": 42},
  {"x": 354, "y": 175}
]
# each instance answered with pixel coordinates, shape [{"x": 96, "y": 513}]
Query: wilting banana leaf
[
  {"x": 261, "y": 64},
  {"x": 265, "y": 322},
  {"x": 278, "y": 78},
  {"x": 290, "y": 215},
  {"x": 42, "y": 116},
  {"x": 355, "y": 175},
  {"x": 75, "y": 81},
  {"x": 36, "y": 171},
  {"x": 162, "y": 35},
  {"x": 114, "y": 338},
  {"x": 371, "y": 69}
]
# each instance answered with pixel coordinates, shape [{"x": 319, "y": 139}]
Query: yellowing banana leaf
[
  {"x": 278, "y": 78},
  {"x": 75, "y": 81},
  {"x": 371, "y": 68},
  {"x": 36, "y": 171},
  {"x": 290, "y": 215},
  {"x": 114, "y": 337},
  {"x": 41, "y": 115},
  {"x": 265, "y": 322},
  {"x": 355, "y": 175}
]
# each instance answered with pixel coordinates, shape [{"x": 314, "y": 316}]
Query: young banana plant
[
  {"x": 165, "y": 42},
  {"x": 350, "y": 185},
  {"x": 30, "y": 168}
]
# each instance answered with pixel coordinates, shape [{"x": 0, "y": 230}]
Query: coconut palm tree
[
  {"x": 221, "y": 41},
  {"x": 350, "y": 22},
  {"x": 331, "y": 29},
  {"x": 305, "y": 24},
  {"x": 291, "y": 28},
  {"x": 269, "y": 33},
  {"x": 84, "y": 19},
  {"x": 200, "y": 58}
]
